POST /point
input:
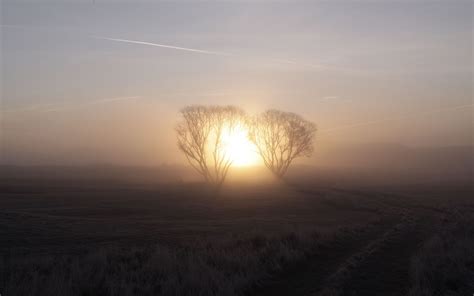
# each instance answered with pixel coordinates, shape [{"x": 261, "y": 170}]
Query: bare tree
[
  {"x": 280, "y": 137},
  {"x": 200, "y": 134}
]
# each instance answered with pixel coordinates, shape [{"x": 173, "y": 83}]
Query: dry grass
[
  {"x": 445, "y": 264},
  {"x": 203, "y": 268}
]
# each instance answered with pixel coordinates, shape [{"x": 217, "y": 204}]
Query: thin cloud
[
  {"x": 295, "y": 63},
  {"x": 334, "y": 99},
  {"x": 329, "y": 98},
  {"x": 395, "y": 118},
  {"x": 96, "y": 102},
  {"x": 114, "y": 100},
  {"x": 60, "y": 107}
]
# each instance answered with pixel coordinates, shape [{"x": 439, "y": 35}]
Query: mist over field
[
  {"x": 227, "y": 148},
  {"x": 86, "y": 83}
]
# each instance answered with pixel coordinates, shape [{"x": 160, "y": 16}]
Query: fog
[{"x": 387, "y": 85}]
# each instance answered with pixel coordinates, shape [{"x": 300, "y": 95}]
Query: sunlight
[{"x": 239, "y": 148}]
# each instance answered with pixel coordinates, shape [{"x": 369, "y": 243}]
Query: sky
[{"x": 103, "y": 81}]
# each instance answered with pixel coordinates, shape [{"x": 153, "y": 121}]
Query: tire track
[
  {"x": 309, "y": 276},
  {"x": 352, "y": 276}
]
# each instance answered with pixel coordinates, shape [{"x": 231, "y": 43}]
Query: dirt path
[
  {"x": 375, "y": 262},
  {"x": 309, "y": 276},
  {"x": 383, "y": 266},
  {"x": 387, "y": 270}
]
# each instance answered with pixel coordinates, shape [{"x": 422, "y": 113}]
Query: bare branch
[
  {"x": 281, "y": 137},
  {"x": 199, "y": 135}
]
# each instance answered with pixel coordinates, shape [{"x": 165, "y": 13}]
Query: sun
[{"x": 238, "y": 147}]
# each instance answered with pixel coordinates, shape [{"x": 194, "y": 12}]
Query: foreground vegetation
[
  {"x": 234, "y": 265},
  {"x": 113, "y": 238},
  {"x": 203, "y": 268},
  {"x": 445, "y": 264}
]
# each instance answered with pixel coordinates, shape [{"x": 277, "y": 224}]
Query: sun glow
[{"x": 237, "y": 146}]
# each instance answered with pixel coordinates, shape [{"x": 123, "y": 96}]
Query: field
[{"x": 121, "y": 231}]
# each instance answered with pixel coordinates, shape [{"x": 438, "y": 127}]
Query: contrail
[
  {"x": 165, "y": 46},
  {"x": 355, "y": 125},
  {"x": 217, "y": 53},
  {"x": 315, "y": 66}
]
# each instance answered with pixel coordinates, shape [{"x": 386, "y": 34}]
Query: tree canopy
[
  {"x": 200, "y": 133},
  {"x": 280, "y": 137}
]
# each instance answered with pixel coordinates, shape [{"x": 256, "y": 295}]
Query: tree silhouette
[
  {"x": 200, "y": 133},
  {"x": 280, "y": 137}
]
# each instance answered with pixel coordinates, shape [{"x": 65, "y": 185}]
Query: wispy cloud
[
  {"x": 296, "y": 63},
  {"x": 330, "y": 98},
  {"x": 333, "y": 99},
  {"x": 109, "y": 100},
  {"x": 60, "y": 107},
  {"x": 395, "y": 118}
]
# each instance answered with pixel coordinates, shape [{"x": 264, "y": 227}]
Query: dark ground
[{"x": 371, "y": 234}]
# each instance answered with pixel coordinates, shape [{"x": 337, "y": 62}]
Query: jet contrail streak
[
  {"x": 195, "y": 50},
  {"x": 218, "y": 53},
  {"x": 400, "y": 116},
  {"x": 166, "y": 46}
]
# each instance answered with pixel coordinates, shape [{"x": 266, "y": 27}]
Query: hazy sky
[{"x": 102, "y": 81}]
